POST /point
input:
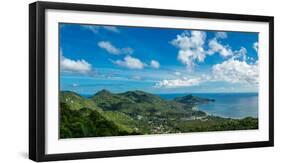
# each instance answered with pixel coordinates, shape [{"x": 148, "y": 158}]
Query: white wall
[{"x": 14, "y": 79}]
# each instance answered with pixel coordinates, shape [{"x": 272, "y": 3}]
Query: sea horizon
[{"x": 161, "y": 94}]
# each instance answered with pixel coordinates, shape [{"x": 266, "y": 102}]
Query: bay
[{"x": 228, "y": 105}]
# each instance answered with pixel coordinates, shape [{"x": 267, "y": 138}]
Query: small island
[{"x": 139, "y": 113}]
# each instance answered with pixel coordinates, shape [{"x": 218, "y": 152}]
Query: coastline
[{"x": 201, "y": 107}]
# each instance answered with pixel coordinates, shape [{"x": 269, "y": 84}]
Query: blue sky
[{"x": 156, "y": 60}]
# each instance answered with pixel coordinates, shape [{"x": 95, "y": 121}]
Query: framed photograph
[{"x": 111, "y": 81}]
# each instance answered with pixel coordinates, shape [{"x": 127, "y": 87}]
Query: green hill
[
  {"x": 109, "y": 101},
  {"x": 138, "y": 102},
  {"x": 88, "y": 123},
  {"x": 79, "y": 108},
  {"x": 75, "y": 101},
  {"x": 138, "y": 112},
  {"x": 142, "y": 97},
  {"x": 193, "y": 100}
]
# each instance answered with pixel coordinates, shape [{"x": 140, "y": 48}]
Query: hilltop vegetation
[
  {"x": 138, "y": 113},
  {"x": 193, "y": 100}
]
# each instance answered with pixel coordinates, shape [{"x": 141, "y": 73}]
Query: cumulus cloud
[
  {"x": 235, "y": 71},
  {"x": 240, "y": 54},
  {"x": 231, "y": 71},
  {"x": 221, "y": 35},
  {"x": 184, "y": 82},
  {"x": 154, "y": 64},
  {"x": 216, "y": 47},
  {"x": 190, "y": 46},
  {"x": 75, "y": 66},
  {"x": 130, "y": 62},
  {"x": 106, "y": 45}
]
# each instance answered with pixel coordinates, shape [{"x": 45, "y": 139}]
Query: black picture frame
[{"x": 37, "y": 80}]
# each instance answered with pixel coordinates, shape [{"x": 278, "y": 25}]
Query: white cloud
[
  {"x": 216, "y": 47},
  {"x": 231, "y": 71},
  {"x": 106, "y": 45},
  {"x": 95, "y": 28},
  {"x": 154, "y": 64},
  {"x": 75, "y": 66},
  {"x": 240, "y": 54},
  {"x": 190, "y": 46},
  {"x": 256, "y": 46},
  {"x": 111, "y": 28},
  {"x": 235, "y": 71},
  {"x": 110, "y": 48},
  {"x": 184, "y": 82},
  {"x": 130, "y": 62},
  {"x": 92, "y": 28},
  {"x": 221, "y": 35}
]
